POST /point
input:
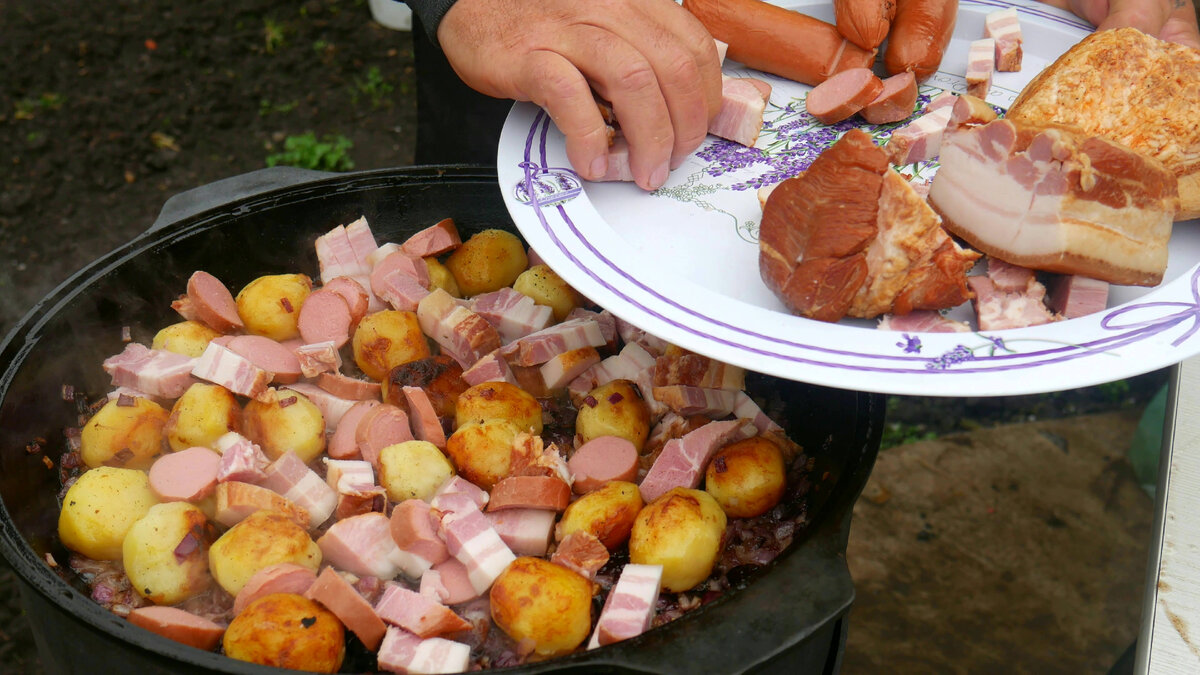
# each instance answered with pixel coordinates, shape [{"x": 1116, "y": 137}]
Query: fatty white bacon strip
[
  {"x": 1004, "y": 27},
  {"x": 156, "y": 372},
  {"x": 471, "y": 539},
  {"x": 404, "y": 652},
  {"x": 683, "y": 460},
  {"x": 230, "y": 370},
  {"x": 629, "y": 608},
  {"x": 981, "y": 62},
  {"x": 537, "y": 348},
  {"x": 290, "y": 476},
  {"x": 465, "y": 334}
]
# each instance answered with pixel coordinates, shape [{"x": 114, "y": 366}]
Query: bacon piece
[
  {"x": 629, "y": 609},
  {"x": 686, "y": 400},
  {"x": 922, "y": 321},
  {"x": 241, "y": 459},
  {"x": 433, "y": 240},
  {"x": 319, "y": 357},
  {"x": 403, "y": 652},
  {"x": 291, "y": 477},
  {"x": 401, "y": 280},
  {"x": 423, "y": 418},
  {"x": 236, "y": 500},
  {"x": 331, "y": 407},
  {"x": 236, "y": 373},
  {"x": 414, "y": 529},
  {"x": 360, "y": 498},
  {"x": 694, "y": 370},
  {"x": 740, "y": 117},
  {"x": 458, "y": 330},
  {"x": 606, "y": 319},
  {"x": 970, "y": 110},
  {"x": 361, "y": 545},
  {"x": 459, "y": 485},
  {"x": 683, "y": 460},
  {"x": 1004, "y": 27},
  {"x": 471, "y": 539},
  {"x": 524, "y": 531},
  {"x": 513, "y": 313},
  {"x": 582, "y": 553},
  {"x": 337, "y": 595},
  {"x": 630, "y": 333},
  {"x": 921, "y": 139},
  {"x": 1073, "y": 296},
  {"x": 156, "y": 372},
  {"x": 562, "y": 368},
  {"x": 278, "y": 578},
  {"x": 417, "y": 613},
  {"x": 490, "y": 368},
  {"x": 362, "y": 241},
  {"x": 981, "y": 63},
  {"x": 337, "y": 256},
  {"x": 540, "y": 347}
]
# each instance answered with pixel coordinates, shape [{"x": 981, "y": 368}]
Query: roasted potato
[
  {"x": 682, "y": 531},
  {"x": 488, "y": 261},
  {"x": 439, "y": 375},
  {"x": 386, "y": 339},
  {"x": 100, "y": 507},
  {"x": 614, "y": 409},
  {"x": 747, "y": 478},
  {"x": 499, "y": 401},
  {"x": 413, "y": 470},
  {"x": 547, "y": 288},
  {"x": 126, "y": 432},
  {"x": 165, "y": 554},
  {"x": 203, "y": 414},
  {"x": 286, "y": 630},
  {"x": 482, "y": 451},
  {"x": 270, "y": 305},
  {"x": 189, "y": 338},
  {"x": 440, "y": 277},
  {"x": 263, "y": 538},
  {"x": 607, "y": 513},
  {"x": 282, "y": 420},
  {"x": 539, "y": 602}
]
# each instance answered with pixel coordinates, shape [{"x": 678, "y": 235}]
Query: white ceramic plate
[{"x": 682, "y": 262}]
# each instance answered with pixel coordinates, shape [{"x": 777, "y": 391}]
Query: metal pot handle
[{"x": 221, "y": 192}]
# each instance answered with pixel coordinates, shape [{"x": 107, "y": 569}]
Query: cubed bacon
[
  {"x": 241, "y": 459},
  {"x": 582, "y": 553},
  {"x": 459, "y": 485},
  {"x": 921, "y": 139},
  {"x": 342, "y": 474},
  {"x": 1004, "y": 27},
  {"x": 686, "y": 400},
  {"x": 333, "y": 591},
  {"x": 362, "y": 241},
  {"x": 740, "y": 117},
  {"x": 645, "y": 384},
  {"x": 360, "y": 498},
  {"x": 403, "y": 652},
  {"x": 236, "y": 373},
  {"x": 463, "y": 333},
  {"x": 630, "y": 333},
  {"x": 426, "y": 425},
  {"x": 490, "y": 368},
  {"x": 361, "y": 545},
  {"x": 695, "y": 370},
  {"x": 1072, "y": 295},
  {"x": 745, "y": 408},
  {"x": 291, "y": 477},
  {"x": 606, "y": 319},
  {"x": 336, "y": 256},
  {"x": 981, "y": 63},
  {"x": 332, "y": 407},
  {"x": 414, "y": 527},
  {"x": 525, "y": 531},
  {"x": 629, "y": 609},
  {"x": 1009, "y": 297},
  {"x": 156, "y": 372},
  {"x": 318, "y": 357},
  {"x": 921, "y": 321},
  {"x": 416, "y": 613},
  {"x": 683, "y": 460},
  {"x": 433, "y": 240},
  {"x": 563, "y": 368},
  {"x": 618, "y": 168},
  {"x": 627, "y": 365},
  {"x": 514, "y": 314},
  {"x": 537, "y": 348},
  {"x": 236, "y": 500},
  {"x": 401, "y": 280},
  {"x": 471, "y": 539}
]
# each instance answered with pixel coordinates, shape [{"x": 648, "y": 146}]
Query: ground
[{"x": 109, "y": 108}]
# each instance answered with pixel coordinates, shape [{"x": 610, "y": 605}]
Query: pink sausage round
[
  {"x": 600, "y": 460},
  {"x": 269, "y": 355},
  {"x": 350, "y": 607},
  {"x": 343, "y": 444},
  {"x": 346, "y": 387},
  {"x": 357, "y": 298},
  {"x": 895, "y": 102},
  {"x": 414, "y": 529},
  {"x": 212, "y": 303},
  {"x": 277, "y": 578},
  {"x": 178, "y": 625},
  {"x": 455, "y": 582},
  {"x": 843, "y": 95},
  {"x": 325, "y": 316},
  {"x": 382, "y": 426},
  {"x": 530, "y": 492},
  {"x": 185, "y": 476}
]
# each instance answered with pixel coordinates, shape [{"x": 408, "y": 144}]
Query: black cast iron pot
[{"x": 788, "y": 618}]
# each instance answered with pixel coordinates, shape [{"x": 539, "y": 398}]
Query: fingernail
[
  {"x": 659, "y": 177},
  {"x": 599, "y": 167}
]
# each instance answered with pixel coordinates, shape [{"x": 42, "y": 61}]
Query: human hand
[
  {"x": 1170, "y": 20},
  {"x": 651, "y": 59}
]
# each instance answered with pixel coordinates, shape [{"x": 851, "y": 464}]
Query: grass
[
  {"x": 266, "y": 107},
  {"x": 330, "y": 153},
  {"x": 27, "y": 108},
  {"x": 373, "y": 86},
  {"x": 274, "y": 35}
]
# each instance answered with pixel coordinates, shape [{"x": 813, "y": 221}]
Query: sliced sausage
[
  {"x": 347, "y": 387},
  {"x": 920, "y": 34},
  {"x": 415, "y": 529},
  {"x": 178, "y": 625},
  {"x": 600, "y": 460},
  {"x": 382, "y": 426},
  {"x": 277, "y": 578},
  {"x": 351, "y": 608},
  {"x": 185, "y": 476},
  {"x": 843, "y": 95},
  {"x": 269, "y": 355},
  {"x": 434, "y": 240},
  {"x": 212, "y": 303},
  {"x": 357, "y": 298},
  {"x": 325, "y": 316},
  {"x": 864, "y": 22},
  {"x": 343, "y": 444},
  {"x": 530, "y": 492},
  {"x": 449, "y": 582},
  {"x": 423, "y": 418},
  {"x": 896, "y": 102}
]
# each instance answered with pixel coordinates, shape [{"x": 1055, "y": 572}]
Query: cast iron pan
[{"x": 265, "y": 223}]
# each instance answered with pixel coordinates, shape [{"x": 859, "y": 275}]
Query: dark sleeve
[{"x": 430, "y": 12}]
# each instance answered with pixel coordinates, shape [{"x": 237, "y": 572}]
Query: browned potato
[
  {"x": 682, "y": 531},
  {"x": 440, "y": 277},
  {"x": 607, "y": 513},
  {"x": 482, "y": 451},
  {"x": 488, "y": 261},
  {"x": 747, "y": 478},
  {"x": 499, "y": 401},
  {"x": 547, "y": 288},
  {"x": 203, "y": 414},
  {"x": 165, "y": 553},
  {"x": 439, "y": 375},
  {"x": 270, "y": 305},
  {"x": 282, "y": 420},
  {"x": 189, "y": 338},
  {"x": 100, "y": 507},
  {"x": 263, "y": 538},
  {"x": 614, "y": 409},
  {"x": 413, "y": 470},
  {"x": 286, "y": 630},
  {"x": 537, "y": 601},
  {"x": 386, "y": 339},
  {"x": 123, "y": 435}
]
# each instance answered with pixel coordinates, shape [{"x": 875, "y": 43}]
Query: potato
[
  {"x": 100, "y": 507},
  {"x": 123, "y": 435},
  {"x": 270, "y": 305},
  {"x": 682, "y": 531},
  {"x": 439, "y": 375},
  {"x": 488, "y": 261},
  {"x": 499, "y": 401},
  {"x": 607, "y": 513},
  {"x": 165, "y": 554},
  {"x": 263, "y": 538},
  {"x": 536, "y": 601},
  {"x": 482, "y": 451},
  {"x": 440, "y": 277},
  {"x": 286, "y": 630},
  {"x": 282, "y": 420},
  {"x": 203, "y": 414},
  {"x": 386, "y": 339},
  {"x": 614, "y": 409},
  {"x": 413, "y": 470},
  {"x": 547, "y": 288},
  {"x": 747, "y": 478},
  {"x": 189, "y": 338}
]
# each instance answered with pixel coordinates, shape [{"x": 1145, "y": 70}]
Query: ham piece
[
  {"x": 1074, "y": 296},
  {"x": 1009, "y": 297},
  {"x": 291, "y": 477},
  {"x": 403, "y": 652},
  {"x": 1057, "y": 200},
  {"x": 740, "y": 118},
  {"x": 156, "y": 372},
  {"x": 683, "y": 460},
  {"x": 921, "y": 139},
  {"x": 629, "y": 609},
  {"x": 1004, "y": 27},
  {"x": 318, "y": 357},
  {"x": 241, "y": 459},
  {"x": 922, "y": 321}
]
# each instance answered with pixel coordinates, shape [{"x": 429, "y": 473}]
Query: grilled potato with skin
[
  {"x": 543, "y": 603},
  {"x": 203, "y": 414},
  {"x": 441, "y": 277},
  {"x": 165, "y": 553},
  {"x": 499, "y": 401},
  {"x": 100, "y": 507},
  {"x": 270, "y": 305},
  {"x": 413, "y": 470},
  {"x": 387, "y": 339},
  {"x": 614, "y": 409},
  {"x": 547, "y": 288},
  {"x": 488, "y": 261},
  {"x": 286, "y": 630},
  {"x": 283, "y": 420},
  {"x": 607, "y": 513},
  {"x": 126, "y": 432},
  {"x": 482, "y": 451},
  {"x": 189, "y": 338},
  {"x": 682, "y": 531},
  {"x": 263, "y": 538},
  {"x": 747, "y": 478}
]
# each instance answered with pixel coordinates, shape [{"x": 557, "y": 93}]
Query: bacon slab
[
  {"x": 403, "y": 652},
  {"x": 629, "y": 609},
  {"x": 683, "y": 460},
  {"x": 1004, "y": 27},
  {"x": 157, "y": 372},
  {"x": 236, "y": 373},
  {"x": 981, "y": 63},
  {"x": 463, "y": 333}
]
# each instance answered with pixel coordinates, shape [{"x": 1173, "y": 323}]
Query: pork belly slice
[
  {"x": 981, "y": 63},
  {"x": 236, "y": 373},
  {"x": 1004, "y": 27},
  {"x": 471, "y": 539},
  {"x": 459, "y": 485},
  {"x": 342, "y": 475},
  {"x": 627, "y": 365},
  {"x": 685, "y": 400},
  {"x": 343, "y": 251},
  {"x": 630, "y": 333},
  {"x": 157, "y": 372},
  {"x": 332, "y": 407},
  {"x": 491, "y": 368},
  {"x": 537, "y": 348},
  {"x": 525, "y": 531},
  {"x": 683, "y": 460},
  {"x": 241, "y": 459},
  {"x": 463, "y": 333},
  {"x": 1053, "y": 198},
  {"x": 1073, "y": 296},
  {"x": 618, "y": 168},
  {"x": 235, "y": 501},
  {"x": 629, "y": 609},
  {"x": 291, "y": 477},
  {"x": 921, "y": 139},
  {"x": 513, "y": 313},
  {"x": 606, "y": 319},
  {"x": 403, "y": 652},
  {"x": 416, "y": 613},
  {"x": 922, "y": 321},
  {"x": 318, "y": 357},
  {"x": 361, "y": 545},
  {"x": 745, "y": 408},
  {"x": 694, "y": 370},
  {"x": 740, "y": 118},
  {"x": 562, "y": 368}
]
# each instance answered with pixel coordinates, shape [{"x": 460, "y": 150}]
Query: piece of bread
[{"x": 1131, "y": 88}]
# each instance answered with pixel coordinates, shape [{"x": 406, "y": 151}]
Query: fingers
[
  {"x": 1147, "y": 16},
  {"x": 1181, "y": 26},
  {"x": 1170, "y": 20}
]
